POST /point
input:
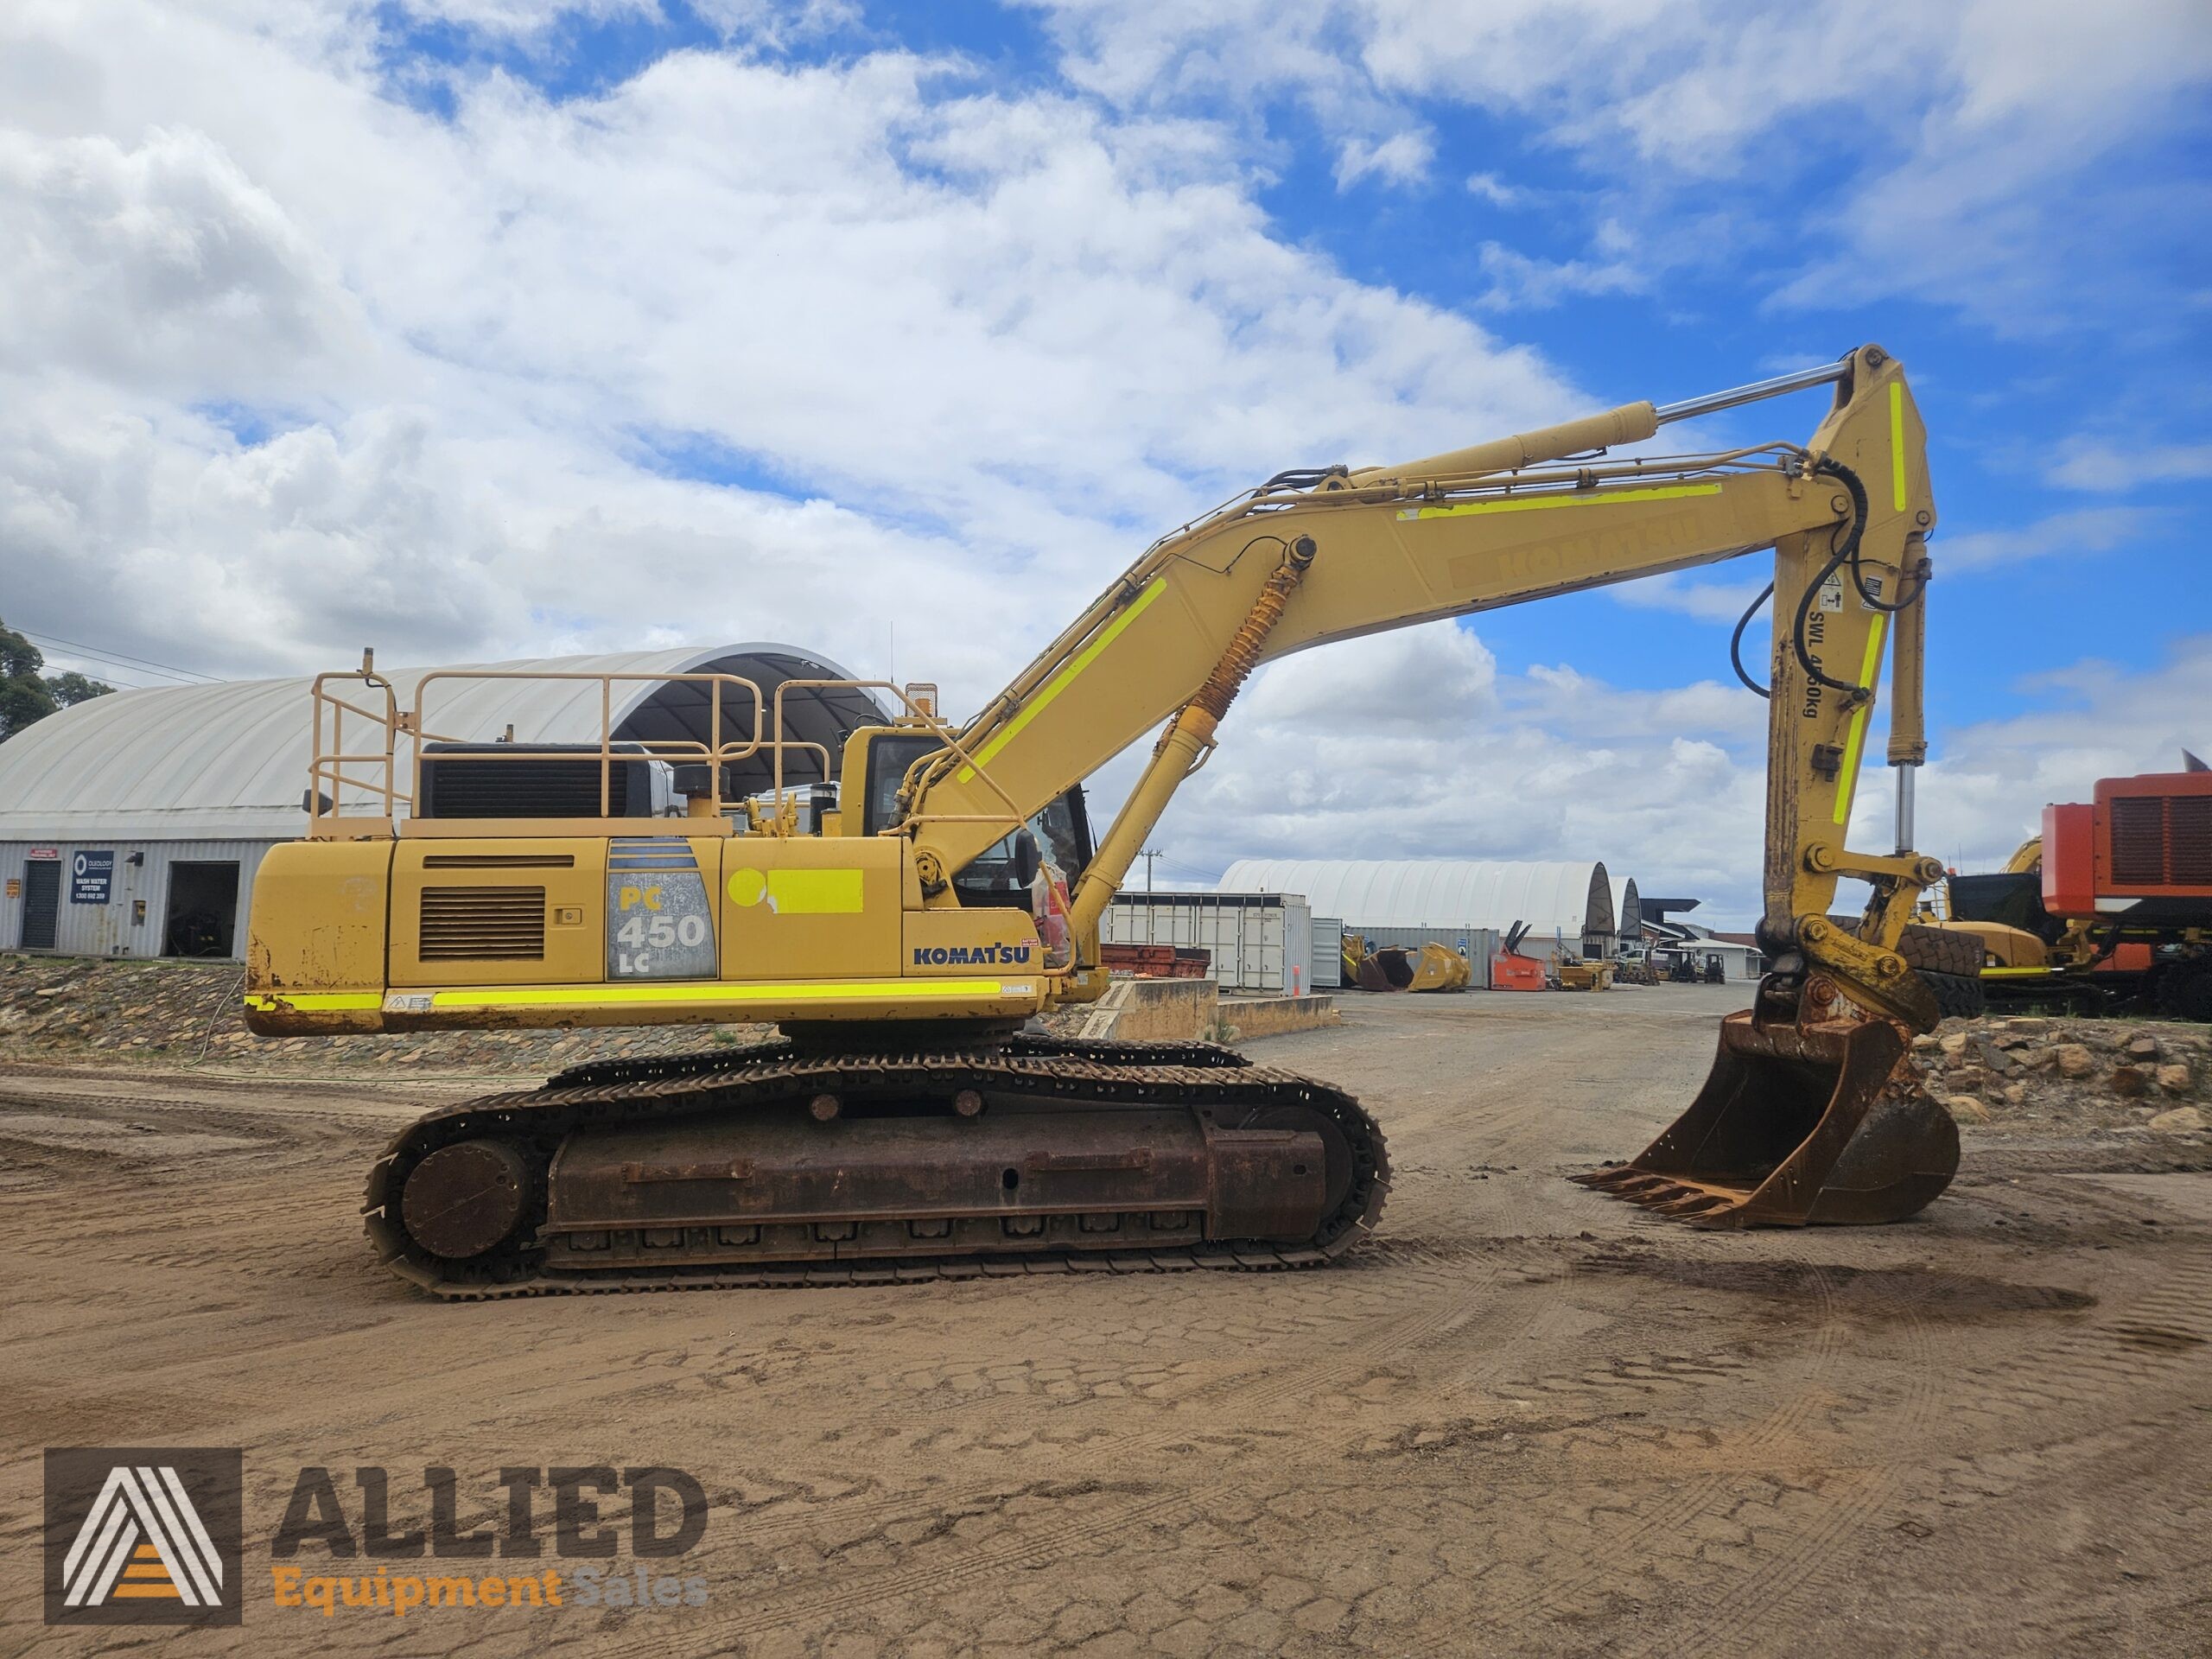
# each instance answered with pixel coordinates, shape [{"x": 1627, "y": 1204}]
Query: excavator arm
[{"x": 1331, "y": 554}]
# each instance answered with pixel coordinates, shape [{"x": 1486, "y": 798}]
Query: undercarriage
[{"x": 773, "y": 1165}]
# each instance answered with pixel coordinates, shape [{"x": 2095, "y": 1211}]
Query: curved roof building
[
  {"x": 230, "y": 761},
  {"x": 1571, "y": 901},
  {"x": 1628, "y": 907}
]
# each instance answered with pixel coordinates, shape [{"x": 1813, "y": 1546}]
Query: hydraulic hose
[
  {"x": 1736, "y": 641},
  {"x": 1846, "y": 550}
]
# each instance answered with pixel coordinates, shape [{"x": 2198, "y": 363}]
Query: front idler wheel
[{"x": 467, "y": 1199}]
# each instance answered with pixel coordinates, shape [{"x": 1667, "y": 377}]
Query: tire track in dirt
[
  {"x": 1673, "y": 1508},
  {"x": 1448, "y": 1303},
  {"x": 2063, "y": 1386}
]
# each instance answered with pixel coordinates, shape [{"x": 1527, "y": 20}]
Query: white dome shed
[{"x": 1571, "y": 903}]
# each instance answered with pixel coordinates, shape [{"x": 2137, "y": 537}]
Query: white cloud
[
  {"x": 1401, "y": 158},
  {"x": 1413, "y": 745},
  {"x": 1954, "y": 145},
  {"x": 1707, "y": 601},
  {"x": 1519, "y": 283},
  {"x": 1012, "y": 337},
  {"x": 2086, "y": 530},
  {"x": 2088, "y": 465},
  {"x": 1488, "y": 187}
]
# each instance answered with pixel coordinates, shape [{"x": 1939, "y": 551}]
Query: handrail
[{"x": 373, "y": 771}]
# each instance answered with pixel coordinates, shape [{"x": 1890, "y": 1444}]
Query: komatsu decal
[{"x": 972, "y": 956}]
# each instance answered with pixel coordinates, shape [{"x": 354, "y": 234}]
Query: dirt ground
[{"x": 1522, "y": 1419}]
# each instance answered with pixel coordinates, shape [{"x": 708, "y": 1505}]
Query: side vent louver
[
  {"x": 483, "y": 925},
  {"x": 2162, "y": 841},
  {"x": 2190, "y": 863}
]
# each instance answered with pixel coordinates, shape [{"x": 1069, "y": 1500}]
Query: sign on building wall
[
  {"x": 90, "y": 876},
  {"x": 43, "y": 853}
]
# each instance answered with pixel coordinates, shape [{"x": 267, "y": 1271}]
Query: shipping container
[{"x": 1259, "y": 942}]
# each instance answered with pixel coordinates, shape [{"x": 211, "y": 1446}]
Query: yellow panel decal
[
  {"x": 1537, "y": 503},
  {"x": 1897, "y": 442},
  {"x": 1847, "y": 785},
  {"x": 304, "y": 1001},
  {"x": 1065, "y": 677},
  {"x": 554, "y": 996},
  {"x": 798, "y": 893}
]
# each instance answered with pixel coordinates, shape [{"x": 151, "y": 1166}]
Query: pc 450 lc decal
[
  {"x": 973, "y": 955},
  {"x": 659, "y": 923}
]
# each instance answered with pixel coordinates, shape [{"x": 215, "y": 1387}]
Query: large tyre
[
  {"x": 1941, "y": 950},
  {"x": 1959, "y": 996}
]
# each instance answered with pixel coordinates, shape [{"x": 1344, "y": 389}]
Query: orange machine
[
  {"x": 1512, "y": 971},
  {"x": 2134, "y": 867}
]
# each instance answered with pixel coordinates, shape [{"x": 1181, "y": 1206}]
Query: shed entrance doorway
[
  {"x": 203, "y": 910},
  {"x": 41, "y": 899}
]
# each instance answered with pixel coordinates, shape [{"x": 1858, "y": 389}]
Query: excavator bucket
[
  {"x": 1797, "y": 1124},
  {"x": 1390, "y": 969},
  {"x": 1440, "y": 968}
]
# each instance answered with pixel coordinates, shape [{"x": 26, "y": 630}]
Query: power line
[{"x": 119, "y": 660}]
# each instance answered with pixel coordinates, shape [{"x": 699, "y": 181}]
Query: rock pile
[
  {"x": 58, "y": 1009},
  {"x": 2115, "y": 1074},
  {"x": 63, "y": 1008}
]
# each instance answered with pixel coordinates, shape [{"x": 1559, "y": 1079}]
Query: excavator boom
[{"x": 902, "y": 937}]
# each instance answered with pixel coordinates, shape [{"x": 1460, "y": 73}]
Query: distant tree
[
  {"x": 26, "y": 696},
  {"x": 71, "y": 688}
]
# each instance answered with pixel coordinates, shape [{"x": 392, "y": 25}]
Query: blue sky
[
  {"x": 479, "y": 327},
  {"x": 2102, "y": 346}
]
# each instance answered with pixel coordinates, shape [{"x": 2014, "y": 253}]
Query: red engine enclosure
[{"x": 2144, "y": 847}]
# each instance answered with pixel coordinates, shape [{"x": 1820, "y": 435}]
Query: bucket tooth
[{"x": 1796, "y": 1124}]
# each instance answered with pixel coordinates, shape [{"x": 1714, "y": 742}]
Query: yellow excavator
[{"x": 910, "y": 1121}]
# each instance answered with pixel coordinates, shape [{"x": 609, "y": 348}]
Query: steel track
[{"x": 669, "y": 1089}]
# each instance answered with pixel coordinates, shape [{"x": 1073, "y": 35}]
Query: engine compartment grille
[
  {"x": 483, "y": 925},
  {"x": 2162, "y": 841}
]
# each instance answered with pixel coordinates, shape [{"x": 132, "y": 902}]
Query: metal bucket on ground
[
  {"x": 1441, "y": 968},
  {"x": 1797, "y": 1124},
  {"x": 1390, "y": 969}
]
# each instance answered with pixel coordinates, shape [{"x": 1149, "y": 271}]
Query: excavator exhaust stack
[{"x": 1797, "y": 1124}]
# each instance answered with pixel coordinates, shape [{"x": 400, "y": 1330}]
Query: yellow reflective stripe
[
  {"x": 1537, "y": 503},
  {"x": 563, "y": 997},
  {"x": 1867, "y": 669},
  {"x": 315, "y": 1000},
  {"x": 1065, "y": 677},
  {"x": 1897, "y": 442},
  {"x": 1992, "y": 973}
]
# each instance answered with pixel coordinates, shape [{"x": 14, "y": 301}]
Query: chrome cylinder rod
[{"x": 1689, "y": 408}]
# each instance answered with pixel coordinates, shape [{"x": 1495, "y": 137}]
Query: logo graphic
[{"x": 143, "y": 1536}]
